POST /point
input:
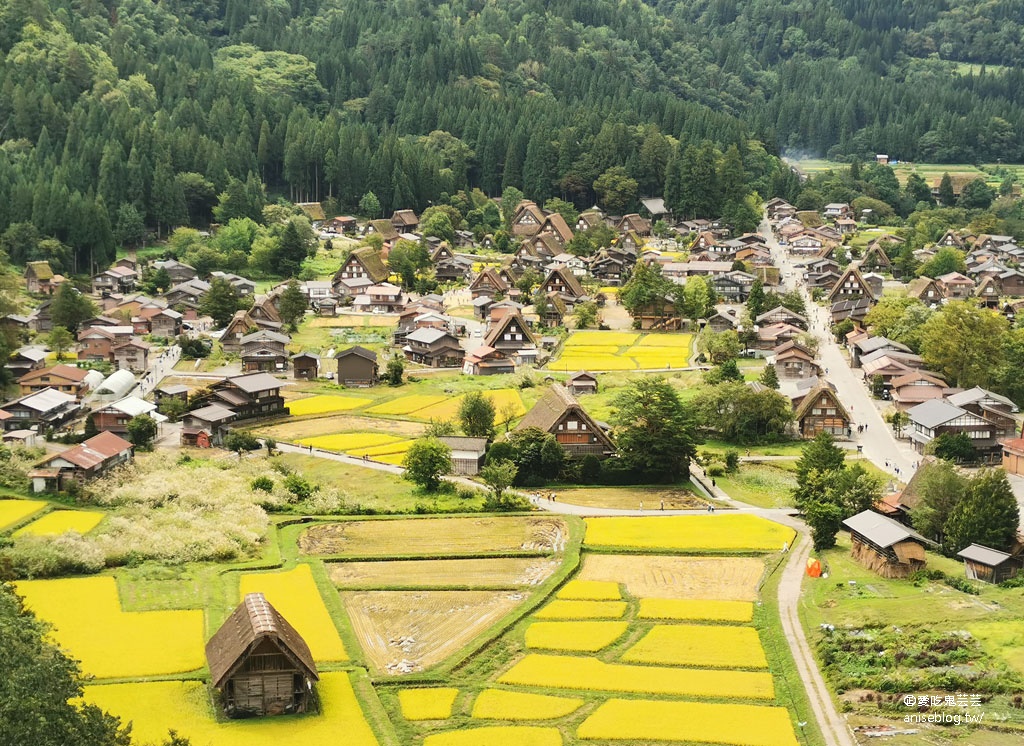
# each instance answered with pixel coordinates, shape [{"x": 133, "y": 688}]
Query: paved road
[{"x": 880, "y": 445}]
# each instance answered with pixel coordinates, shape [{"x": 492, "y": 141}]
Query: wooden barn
[
  {"x": 989, "y": 565},
  {"x": 885, "y": 546},
  {"x": 260, "y": 664}
]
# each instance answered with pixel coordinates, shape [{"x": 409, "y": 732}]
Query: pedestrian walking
[
  {"x": 641, "y": 506},
  {"x": 662, "y": 504},
  {"x": 310, "y": 448},
  {"x": 713, "y": 482}
]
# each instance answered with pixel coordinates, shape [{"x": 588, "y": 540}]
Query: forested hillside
[{"x": 115, "y": 113}]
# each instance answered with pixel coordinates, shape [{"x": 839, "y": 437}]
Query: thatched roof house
[
  {"x": 558, "y": 413},
  {"x": 260, "y": 664}
]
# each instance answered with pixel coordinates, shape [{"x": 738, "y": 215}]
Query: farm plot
[
  {"x": 349, "y": 441},
  {"x": 644, "y": 720},
  {"x": 679, "y": 609},
  {"x": 435, "y": 536},
  {"x": 324, "y": 404},
  {"x": 578, "y": 673},
  {"x": 406, "y": 404},
  {"x": 607, "y": 339},
  {"x": 716, "y": 533},
  {"x": 499, "y": 704},
  {"x": 88, "y": 623},
  {"x": 584, "y": 637},
  {"x": 427, "y": 704},
  {"x": 583, "y": 610},
  {"x": 449, "y": 408},
  {"x": 499, "y": 572},
  {"x": 406, "y": 631},
  {"x": 295, "y": 595},
  {"x": 590, "y": 590},
  {"x": 498, "y": 735},
  {"x": 667, "y": 577},
  {"x": 703, "y": 646},
  {"x": 13, "y": 512},
  {"x": 155, "y": 707},
  {"x": 617, "y": 351},
  {"x": 61, "y": 521}
]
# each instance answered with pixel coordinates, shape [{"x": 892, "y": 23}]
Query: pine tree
[
  {"x": 292, "y": 304},
  {"x": 946, "y": 195},
  {"x": 756, "y": 299},
  {"x": 291, "y": 251},
  {"x": 769, "y": 377},
  {"x": 987, "y": 515},
  {"x": 220, "y": 302}
]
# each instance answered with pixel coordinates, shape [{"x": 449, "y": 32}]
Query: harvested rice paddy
[
  {"x": 643, "y": 720},
  {"x": 499, "y": 735},
  {"x": 583, "y": 610},
  {"x": 499, "y": 572},
  {"x": 155, "y": 707},
  {"x": 427, "y": 704},
  {"x": 90, "y": 626},
  {"x": 13, "y": 512},
  {"x": 678, "y": 609},
  {"x": 295, "y": 595},
  {"x": 591, "y": 674},
  {"x": 583, "y": 637},
  {"x": 407, "y": 631},
  {"x": 61, "y": 521},
  {"x": 436, "y": 536},
  {"x": 717, "y": 533},
  {"x": 590, "y": 590},
  {"x": 702, "y": 646},
  {"x": 324, "y": 404},
  {"x": 668, "y": 577},
  {"x": 499, "y": 704}
]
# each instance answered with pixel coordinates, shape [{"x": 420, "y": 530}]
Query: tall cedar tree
[
  {"x": 987, "y": 515},
  {"x": 654, "y": 434},
  {"x": 220, "y": 302},
  {"x": 293, "y": 304},
  {"x": 292, "y": 251},
  {"x": 70, "y": 308},
  {"x": 818, "y": 460}
]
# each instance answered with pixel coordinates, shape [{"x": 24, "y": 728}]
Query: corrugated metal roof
[
  {"x": 984, "y": 555},
  {"x": 881, "y": 530}
]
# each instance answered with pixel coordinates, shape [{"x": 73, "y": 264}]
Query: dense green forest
[{"x": 118, "y": 113}]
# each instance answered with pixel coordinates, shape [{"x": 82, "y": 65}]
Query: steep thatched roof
[
  {"x": 555, "y": 405},
  {"x": 254, "y": 621}
]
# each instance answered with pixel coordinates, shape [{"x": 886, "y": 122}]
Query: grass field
[
  {"x": 591, "y": 674},
  {"x": 295, "y": 595},
  {"x": 61, "y": 521},
  {"x": 762, "y": 485},
  {"x": 735, "y": 533},
  {"x": 110, "y": 643},
  {"x": 693, "y": 722},
  {"x": 701, "y": 646},
  {"x": 13, "y": 512},
  {"x": 427, "y": 704},
  {"x": 404, "y": 632},
  {"x": 428, "y": 536},
  {"x": 660, "y": 576},
  {"x": 499, "y": 704},
  {"x": 497, "y": 735},
  {"x": 499, "y": 572},
  {"x": 155, "y": 707},
  {"x": 678, "y": 497}
]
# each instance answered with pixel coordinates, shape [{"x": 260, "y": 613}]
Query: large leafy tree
[
  {"x": 654, "y": 434},
  {"x": 941, "y": 487},
  {"x": 70, "y": 308},
  {"x": 964, "y": 343},
  {"x": 426, "y": 461},
  {"x": 536, "y": 454},
  {"x": 987, "y": 515},
  {"x": 40, "y": 688},
  {"x": 476, "y": 415}
]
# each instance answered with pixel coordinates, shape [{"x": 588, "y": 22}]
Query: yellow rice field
[
  {"x": 584, "y": 637},
  {"x": 295, "y": 595},
  {"x": 349, "y": 441},
  {"x": 659, "y": 357},
  {"x": 570, "y": 362},
  {"x": 427, "y": 704},
  {"x": 406, "y": 404},
  {"x": 722, "y": 533},
  {"x": 583, "y": 610},
  {"x": 61, "y": 521},
  {"x": 388, "y": 449},
  {"x": 323, "y": 404},
  {"x": 642, "y": 721},
  {"x": 590, "y": 590},
  {"x": 678, "y": 341},
  {"x": 691, "y": 609},
  {"x": 449, "y": 407},
  {"x": 614, "y": 339},
  {"x": 13, "y": 512},
  {"x": 665, "y": 576},
  {"x": 155, "y": 707},
  {"x": 702, "y": 646},
  {"x": 89, "y": 624},
  {"x": 499, "y": 735},
  {"x": 498, "y": 704},
  {"x": 591, "y": 674}
]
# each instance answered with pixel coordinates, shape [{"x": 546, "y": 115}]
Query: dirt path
[{"x": 832, "y": 724}]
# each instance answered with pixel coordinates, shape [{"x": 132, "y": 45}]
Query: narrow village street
[{"x": 880, "y": 445}]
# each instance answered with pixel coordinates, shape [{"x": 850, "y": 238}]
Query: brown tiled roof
[
  {"x": 94, "y": 451},
  {"x": 359, "y": 352},
  {"x": 68, "y": 372},
  {"x": 252, "y": 622}
]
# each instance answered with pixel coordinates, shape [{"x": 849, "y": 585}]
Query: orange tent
[{"x": 813, "y": 568}]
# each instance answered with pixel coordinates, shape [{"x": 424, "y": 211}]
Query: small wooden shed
[
  {"x": 259, "y": 663},
  {"x": 305, "y": 365},
  {"x": 357, "y": 366},
  {"x": 887, "y": 547},
  {"x": 583, "y": 382},
  {"x": 989, "y": 565},
  {"x": 467, "y": 454}
]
